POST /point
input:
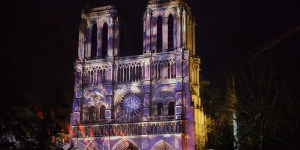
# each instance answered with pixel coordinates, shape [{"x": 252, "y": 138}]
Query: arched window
[
  {"x": 104, "y": 40},
  {"x": 159, "y": 34},
  {"x": 94, "y": 42},
  {"x": 171, "y": 111},
  {"x": 170, "y": 33},
  {"x": 102, "y": 112},
  {"x": 160, "y": 109},
  {"x": 91, "y": 113}
]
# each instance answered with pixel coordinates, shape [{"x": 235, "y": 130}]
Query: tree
[
  {"x": 260, "y": 95},
  {"x": 29, "y": 127}
]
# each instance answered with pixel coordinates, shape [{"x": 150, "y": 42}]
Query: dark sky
[{"x": 39, "y": 40}]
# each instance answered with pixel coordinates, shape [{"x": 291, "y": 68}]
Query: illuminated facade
[{"x": 148, "y": 101}]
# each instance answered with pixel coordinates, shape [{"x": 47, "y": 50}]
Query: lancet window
[
  {"x": 91, "y": 113},
  {"x": 94, "y": 42},
  {"x": 101, "y": 112},
  {"x": 160, "y": 109},
  {"x": 159, "y": 34},
  {"x": 170, "y": 33},
  {"x": 104, "y": 40},
  {"x": 171, "y": 111}
]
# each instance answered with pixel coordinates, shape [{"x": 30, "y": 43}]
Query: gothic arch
[
  {"x": 100, "y": 114},
  {"x": 161, "y": 101},
  {"x": 157, "y": 13},
  {"x": 171, "y": 11},
  {"x": 164, "y": 96},
  {"x": 119, "y": 94},
  {"x": 91, "y": 146},
  {"x": 125, "y": 144},
  {"x": 93, "y": 99},
  {"x": 162, "y": 145},
  {"x": 104, "y": 19},
  {"x": 91, "y": 22}
]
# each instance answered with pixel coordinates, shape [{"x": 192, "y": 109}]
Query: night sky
[{"x": 39, "y": 40}]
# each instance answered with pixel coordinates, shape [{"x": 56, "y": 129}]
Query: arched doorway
[
  {"x": 162, "y": 145},
  {"x": 125, "y": 144}
]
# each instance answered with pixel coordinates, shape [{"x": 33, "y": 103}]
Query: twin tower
[{"x": 148, "y": 101}]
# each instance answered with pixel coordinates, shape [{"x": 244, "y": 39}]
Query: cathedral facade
[{"x": 148, "y": 101}]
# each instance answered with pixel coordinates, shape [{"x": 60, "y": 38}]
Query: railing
[
  {"x": 158, "y": 66},
  {"x": 128, "y": 129},
  {"x": 163, "y": 69},
  {"x": 127, "y": 120},
  {"x": 95, "y": 75},
  {"x": 92, "y": 73},
  {"x": 129, "y": 69}
]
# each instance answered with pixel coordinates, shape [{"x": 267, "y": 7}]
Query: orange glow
[
  {"x": 81, "y": 130},
  {"x": 91, "y": 133},
  {"x": 70, "y": 130},
  {"x": 53, "y": 139},
  {"x": 48, "y": 131},
  {"x": 40, "y": 114}
]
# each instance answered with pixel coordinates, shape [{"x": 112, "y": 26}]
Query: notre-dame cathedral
[{"x": 149, "y": 101}]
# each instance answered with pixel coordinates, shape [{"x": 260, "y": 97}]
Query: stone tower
[{"x": 143, "y": 101}]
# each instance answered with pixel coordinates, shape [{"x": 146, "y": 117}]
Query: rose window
[{"x": 130, "y": 106}]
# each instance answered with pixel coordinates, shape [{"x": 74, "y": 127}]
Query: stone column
[
  {"x": 153, "y": 41},
  {"x": 165, "y": 33},
  {"x": 147, "y": 87},
  {"x": 99, "y": 41},
  {"x": 88, "y": 37},
  {"x": 184, "y": 29},
  {"x": 194, "y": 38},
  {"x": 110, "y": 38},
  {"x": 178, "y": 59},
  {"x": 178, "y": 26},
  {"x": 116, "y": 37},
  {"x": 147, "y": 31},
  {"x": 144, "y": 34},
  {"x": 81, "y": 41}
]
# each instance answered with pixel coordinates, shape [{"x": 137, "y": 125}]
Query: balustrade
[
  {"x": 127, "y": 120},
  {"x": 160, "y": 66},
  {"x": 145, "y": 128},
  {"x": 130, "y": 71},
  {"x": 95, "y": 75},
  {"x": 163, "y": 69}
]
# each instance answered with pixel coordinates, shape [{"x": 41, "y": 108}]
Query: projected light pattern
[
  {"x": 129, "y": 129},
  {"x": 141, "y": 101},
  {"x": 130, "y": 106}
]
